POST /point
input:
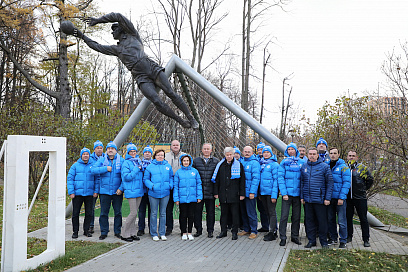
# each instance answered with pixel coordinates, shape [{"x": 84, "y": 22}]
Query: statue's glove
[
  {"x": 78, "y": 33},
  {"x": 91, "y": 21}
]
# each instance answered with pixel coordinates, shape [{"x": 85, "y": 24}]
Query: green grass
[
  {"x": 389, "y": 218},
  {"x": 76, "y": 252},
  {"x": 344, "y": 260}
]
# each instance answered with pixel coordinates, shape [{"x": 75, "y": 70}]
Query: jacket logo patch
[
  {"x": 305, "y": 170},
  {"x": 247, "y": 167},
  {"x": 167, "y": 168},
  {"x": 268, "y": 166},
  {"x": 338, "y": 169},
  {"x": 192, "y": 173}
]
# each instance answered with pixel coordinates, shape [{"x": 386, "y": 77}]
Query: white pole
[{"x": 38, "y": 187}]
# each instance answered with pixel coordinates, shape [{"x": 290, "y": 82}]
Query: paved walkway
[
  {"x": 390, "y": 203},
  {"x": 204, "y": 254}
]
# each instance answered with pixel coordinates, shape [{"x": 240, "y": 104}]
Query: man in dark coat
[
  {"x": 361, "y": 181},
  {"x": 316, "y": 187},
  {"x": 229, "y": 177},
  {"x": 205, "y": 165}
]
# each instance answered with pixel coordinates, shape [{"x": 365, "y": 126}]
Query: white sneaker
[
  {"x": 156, "y": 238},
  {"x": 164, "y": 238},
  {"x": 190, "y": 237},
  {"x": 184, "y": 237}
]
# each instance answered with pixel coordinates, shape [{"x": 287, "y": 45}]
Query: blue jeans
[
  {"x": 249, "y": 215},
  {"x": 106, "y": 201},
  {"x": 341, "y": 214},
  {"x": 161, "y": 204}
]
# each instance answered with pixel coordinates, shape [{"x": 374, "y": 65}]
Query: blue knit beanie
[
  {"x": 112, "y": 144},
  {"x": 236, "y": 149},
  {"x": 321, "y": 141},
  {"x": 148, "y": 149},
  {"x": 261, "y": 145},
  {"x": 98, "y": 143},
  {"x": 131, "y": 146},
  {"x": 85, "y": 150},
  {"x": 267, "y": 148}
]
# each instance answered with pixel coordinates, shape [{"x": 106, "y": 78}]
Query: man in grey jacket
[{"x": 173, "y": 158}]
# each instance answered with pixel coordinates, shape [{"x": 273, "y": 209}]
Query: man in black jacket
[
  {"x": 205, "y": 165},
  {"x": 362, "y": 180},
  {"x": 230, "y": 189}
]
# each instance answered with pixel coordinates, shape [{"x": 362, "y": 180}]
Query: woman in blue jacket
[
  {"x": 158, "y": 178},
  {"x": 132, "y": 186},
  {"x": 82, "y": 189},
  {"x": 187, "y": 192},
  {"x": 268, "y": 188}
]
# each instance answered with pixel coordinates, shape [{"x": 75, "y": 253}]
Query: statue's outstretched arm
[
  {"x": 105, "y": 49},
  {"x": 114, "y": 17}
]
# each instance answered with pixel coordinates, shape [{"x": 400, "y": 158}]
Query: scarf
[
  {"x": 117, "y": 164},
  {"x": 292, "y": 162},
  {"x": 145, "y": 163},
  {"x": 235, "y": 170},
  {"x": 265, "y": 162},
  {"x": 136, "y": 161}
]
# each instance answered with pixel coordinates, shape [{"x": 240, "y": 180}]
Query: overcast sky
[{"x": 332, "y": 47}]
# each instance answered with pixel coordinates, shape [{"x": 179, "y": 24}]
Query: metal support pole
[
  {"x": 3, "y": 148},
  {"x": 176, "y": 62},
  {"x": 38, "y": 187}
]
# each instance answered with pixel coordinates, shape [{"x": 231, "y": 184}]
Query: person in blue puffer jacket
[
  {"x": 158, "y": 178},
  {"x": 342, "y": 182},
  {"x": 109, "y": 168},
  {"x": 289, "y": 186},
  {"x": 188, "y": 191},
  {"x": 133, "y": 188},
  {"x": 316, "y": 192},
  {"x": 268, "y": 189},
  {"x": 249, "y": 216},
  {"x": 95, "y": 156},
  {"x": 82, "y": 188}
]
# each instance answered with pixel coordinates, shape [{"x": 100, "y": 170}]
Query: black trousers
[
  {"x": 361, "y": 207},
  {"x": 169, "y": 213},
  {"x": 77, "y": 202},
  {"x": 233, "y": 210},
  {"x": 210, "y": 215},
  {"x": 316, "y": 217},
  {"x": 187, "y": 216},
  {"x": 263, "y": 213},
  {"x": 142, "y": 212}
]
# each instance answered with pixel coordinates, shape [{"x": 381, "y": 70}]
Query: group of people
[{"x": 325, "y": 185}]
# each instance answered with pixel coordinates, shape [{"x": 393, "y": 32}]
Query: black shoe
[
  {"x": 102, "y": 237},
  {"x": 367, "y": 244},
  {"x": 140, "y": 233},
  {"x": 222, "y": 234},
  {"x": 296, "y": 241},
  {"x": 331, "y": 242},
  {"x": 234, "y": 236},
  {"x": 198, "y": 234},
  {"x": 75, "y": 235},
  {"x": 135, "y": 238},
  {"x": 88, "y": 234},
  {"x": 349, "y": 239},
  {"x": 263, "y": 230},
  {"x": 282, "y": 242},
  {"x": 325, "y": 247},
  {"x": 117, "y": 235},
  {"x": 91, "y": 230},
  {"x": 310, "y": 245},
  {"x": 275, "y": 235},
  {"x": 210, "y": 234},
  {"x": 342, "y": 245},
  {"x": 168, "y": 232},
  {"x": 269, "y": 237},
  {"x": 128, "y": 239}
]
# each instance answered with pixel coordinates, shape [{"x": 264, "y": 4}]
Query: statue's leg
[
  {"x": 164, "y": 84},
  {"x": 149, "y": 91}
]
